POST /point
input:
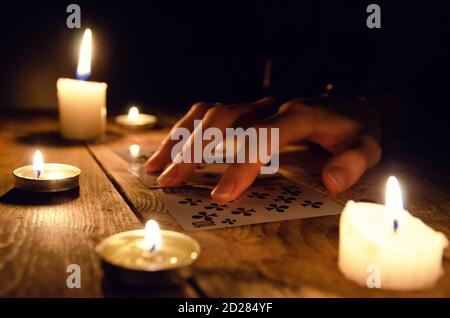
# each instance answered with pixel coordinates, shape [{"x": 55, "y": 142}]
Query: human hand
[{"x": 348, "y": 128}]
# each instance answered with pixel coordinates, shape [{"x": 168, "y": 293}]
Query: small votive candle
[
  {"x": 46, "y": 177},
  {"x": 134, "y": 119},
  {"x": 135, "y": 151},
  {"x": 149, "y": 257}
]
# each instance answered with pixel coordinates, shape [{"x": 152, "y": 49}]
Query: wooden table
[{"x": 41, "y": 234}]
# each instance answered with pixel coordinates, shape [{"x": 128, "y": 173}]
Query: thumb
[{"x": 344, "y": 169}]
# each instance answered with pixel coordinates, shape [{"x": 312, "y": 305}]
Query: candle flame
[
  {"x": 133, "y": 114},
  {"x": 38, "y": 163},
  {"x": 152, "y": 237},
  {"x": 134, "y": 150},
  {"x": 84, "y": 60},
  {"x": 394, "y": 204}
]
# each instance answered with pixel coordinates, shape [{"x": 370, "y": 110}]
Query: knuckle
[
  {"x": 287, "y": 106},
  {"x": 297, "y": 105},
  {"x": 199, "y": 107},
  {"x": 353, "y": 126},
  {"x": 221, "y": 111},
  {"x": 357, "y": 160},
  {"x": 375, "y": 146},
  {"x": 368, "y": 149}
]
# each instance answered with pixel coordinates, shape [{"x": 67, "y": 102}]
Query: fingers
[
  {"x": 238, "y": 177},
  {"x": 162, "y": 156},
  {"x": 344, "y": 169},
  {"x": 219, "y": 117},
  {"x": 293, "y": 121}
]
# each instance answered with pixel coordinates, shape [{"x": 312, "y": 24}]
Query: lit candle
[
  {"x": 46, "y": 177},
  {"x": 150, "y": 256},
  {"x": 38, "y": 164},
  {"x": 134, "y": 119},
  {"x": 135, "y": 151},
  {"x": 82, "y": 104},
  {"x": 389, "y": 245}
]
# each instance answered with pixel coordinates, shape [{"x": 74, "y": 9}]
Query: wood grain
[
  {"x": 40, "y": 234},
  {"x": 286, "y": 259}
]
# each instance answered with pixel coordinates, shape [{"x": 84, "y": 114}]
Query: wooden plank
[
  {"x": 287, "y": 259},
  {"x": 41, "y": 234}
]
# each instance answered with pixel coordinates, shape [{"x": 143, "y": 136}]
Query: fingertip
[
  {"x": 175, "y": 174},
  {"x": 224, "y": 192},
  {"x": 235, "y": 180},
  {"x": 152, "y": 167},
  {"x": 330, "y": 183},
  {"x": 153, "y": 164},
  {"x": 169, "y": 176},
  {"x": 345, "y": 169},
  {"x": 222, "y": 199}
]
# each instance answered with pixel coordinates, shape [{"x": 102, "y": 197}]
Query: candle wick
[
  {"x": 82, "y": 77},
  {"x": 395, "y": 225},
  {"x": 38, "y": 173}
]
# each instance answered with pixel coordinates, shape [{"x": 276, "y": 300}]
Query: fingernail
[
  {"x": 338, "y": 177},
  {"x": 168, "y": 175},
  {"x": 223, "y": 191}
]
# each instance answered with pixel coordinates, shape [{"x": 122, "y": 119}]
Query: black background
[{"x": 169, "y": 54}]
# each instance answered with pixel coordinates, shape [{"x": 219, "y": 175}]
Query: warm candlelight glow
[
  {"x": 152, "y": 254},
  {"x": 38, "y": 163},
  {"x": 394, "y": 204},
  {"x": 385, "y": 246},
  {"x": 84, "y": 61},
  {"x": 152, "y": 237},
  {"x": 82, "y": 103},
  {"x": 134, "y": 119},
  {"x": 134, "y": 150},
  {"x": 133, "y": 114}
]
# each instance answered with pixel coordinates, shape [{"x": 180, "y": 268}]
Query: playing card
[
  {"x": 204, "y": 174},
  {"x": 193, "y": 208},
  {"x": 135, "y": 153},
  {"x": 271, "y": 198}
]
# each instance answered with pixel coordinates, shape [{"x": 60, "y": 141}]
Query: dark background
[{"x": 166, "y": 55}]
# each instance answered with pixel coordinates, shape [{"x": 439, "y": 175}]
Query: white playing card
[
  {"x": 193, "y": 208},
  {"x": 206, "y": 175},
  {"x": 135, "y": 153},
  {"x": 271, "y": 198},
  {"x": 147, "y": 179}
]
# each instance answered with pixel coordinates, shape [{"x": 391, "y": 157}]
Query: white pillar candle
[
  {"x": 82, "y": 104},
  {"x": 389, "y": 242}
]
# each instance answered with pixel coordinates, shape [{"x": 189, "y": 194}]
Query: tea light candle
[
  {"x": 149, "y": 256},
  {"x": 134, "y": 119},
  {"x": 405, "y": 252},
  {"x": 46, "y": 177},
  {"x": 82, "y": 104},
  {"x": 135, "y": 151},
  {"x": 135, "y": 156}
]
